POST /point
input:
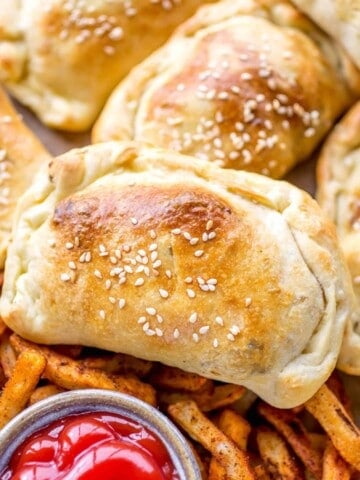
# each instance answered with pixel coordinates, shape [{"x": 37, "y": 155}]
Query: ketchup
[{"x": 92, "y": 446}]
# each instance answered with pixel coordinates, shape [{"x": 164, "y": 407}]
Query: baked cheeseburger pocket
[
  {"x": 137, "y": 250},
  {"x": 62, "y": 58},
  {"x": 251, "y": 85},
  {"x": 338, "y": 179}
]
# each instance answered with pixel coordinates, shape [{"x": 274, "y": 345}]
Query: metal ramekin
[{"x": 41, "y": 414}]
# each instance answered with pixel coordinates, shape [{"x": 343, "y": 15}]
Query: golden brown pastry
[
  {"x": 338, "y": 177},
  {"x": 247, "y": 84},
  {"x": 339, "y": 18},
  {"x": 144, "y": 251},
  {"x": 62, "y": 58},
  {"x": 21, "y": 156}
]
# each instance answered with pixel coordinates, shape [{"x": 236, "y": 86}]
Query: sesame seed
[
  {"x": 159, "y": 332},
  {"x": 65, "y": 277},
  {"x": 141, "y": 320},
  {"x": 134, "y": 221},
  {"x": 168, "y": 273},
  {"x": 176, "y": 231},
  {"x": 204, "y": 329},
  {"x": 248, "y": 301},
  {"x": 151, "y": 311},
  {"x": 198, "y": 253},
  {"x": 194, "y": 241},
  {"x": 152, "y": 234},
  {"x": 128, "y": 269},
  {"x": 215, "y": 343},
  {"x": 187, "y": 235},
  {"x": 122, "y": 280},
  {"x": 209, "y": 225},
  {"x": 146, "y": 326},
  {"x": 176, "y": 333},
  {"x": 188, "y": 280},
  {"x": 235, "y": 330},
  {"x": 69, "y": 245},
  {"x": 108, "y": 284},
  {"x": 195, "y": 337},
  {"x": 163, "y": 293},
  {"x": 193, "y": 317},
  {"x": 153, "y": 256},
  {"x": 191, "y": 293},
  {"x": 153, "y": 247},
  {"x": 140, "y": 281},
  {"x": 72, "y": 265},
  {"x": 112, "y": 300},
  {"x": 219, "y": 321},
  {"x": 230, "y": 337},
  {"x": 98, "y": 274},
  {"x": 102, "y": 314},
  {"x": 150, "y": 332},
  {"x": 157, "y": 263},
  {"x": 77, "y": 241},
  {"x": 142, "y": 253},
  {"x": 205, "y": 237}
]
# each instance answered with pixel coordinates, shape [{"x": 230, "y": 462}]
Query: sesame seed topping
[
  {"x": 102, "y": 314},
  {"x": 157, "y": 263},
  {"x": 190, "y": 293},
  {"x": 65, "y": 277},
  {"x": 140, "y": 281},
  {"x": 215, "y": 343},
  {"x": 188, "y": 280},
  {"x": 198, "y": 253},
  {"x": 168, "y": 273},
  {"x": 150, "y": 332},
  {"x": 248, "y": 301},
  {"x": 151, "y": 311},
  {"x": 72, "y": 265},
  {"x": 176, "y": 231},
  {"x": 163, "y": 293},
  {"x": 195, "y": 337},
  {"x": 159, "y": 332},
  {"x": 194, "y": 241},
  {"x": 219, "y": 320},
  {"x": 230, "y": 337},
  {"x": 141, "y": 320},
  {"x": 146, "y": 326},
  {"x": 176, "y": 333},
  {"x": 133, "y": 221},
  {"x": 69, "y": 245},
  {"x": 153, "y": 234},
  {"x": 204, "y": 329},
  {"x": 112, "y": 300},
  {"x": 235, "y": 330},
  {"x": 153, "y": 247},
  {"x": 98, "y": 274},
  {"x": 193, "y": 317}
]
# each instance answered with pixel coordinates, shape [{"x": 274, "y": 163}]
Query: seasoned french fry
[
  {"x": 7, "y": 356},
  {"x": 3, "y": 328},
  {"x": 174, "y": 378},
  {"x": 335, "y": 384},
  {"x": 221, "y": 396},
  {"x": 286, "y": 423},
  {"x": 337, "y": 423},
  {"x": 277, "y": 458},
  {"x": 43, "y": 392},
  {"x": 188, "y": 415},
  {"x": 334, "y": 467},
  {"x": 235, "y": 427},
  {"x": 28, "y": 369},
  {"x": 69, "y": 374},
  {"x": 261, "y": 473},
  {"x": 119, "y": 363},
  {"x": 216, "y": 471}
]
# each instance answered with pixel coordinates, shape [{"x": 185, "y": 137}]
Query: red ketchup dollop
[{"x": 92, "y": 446}]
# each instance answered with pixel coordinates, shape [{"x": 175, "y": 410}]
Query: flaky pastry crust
[
  {"x": 340, "y": 18},
  {"x": 247, "y": 84},
  {"x": 21, "y": 156},
  {"x": 228, "y": 274},
  {"x": 338, "y": 179},
  {"x": 62, "y": 58}
]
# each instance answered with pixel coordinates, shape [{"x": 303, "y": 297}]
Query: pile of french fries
[{"x": 234, "y": 435}]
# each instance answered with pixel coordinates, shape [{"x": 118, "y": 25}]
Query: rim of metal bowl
[{"x": 41, "y": 414}]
